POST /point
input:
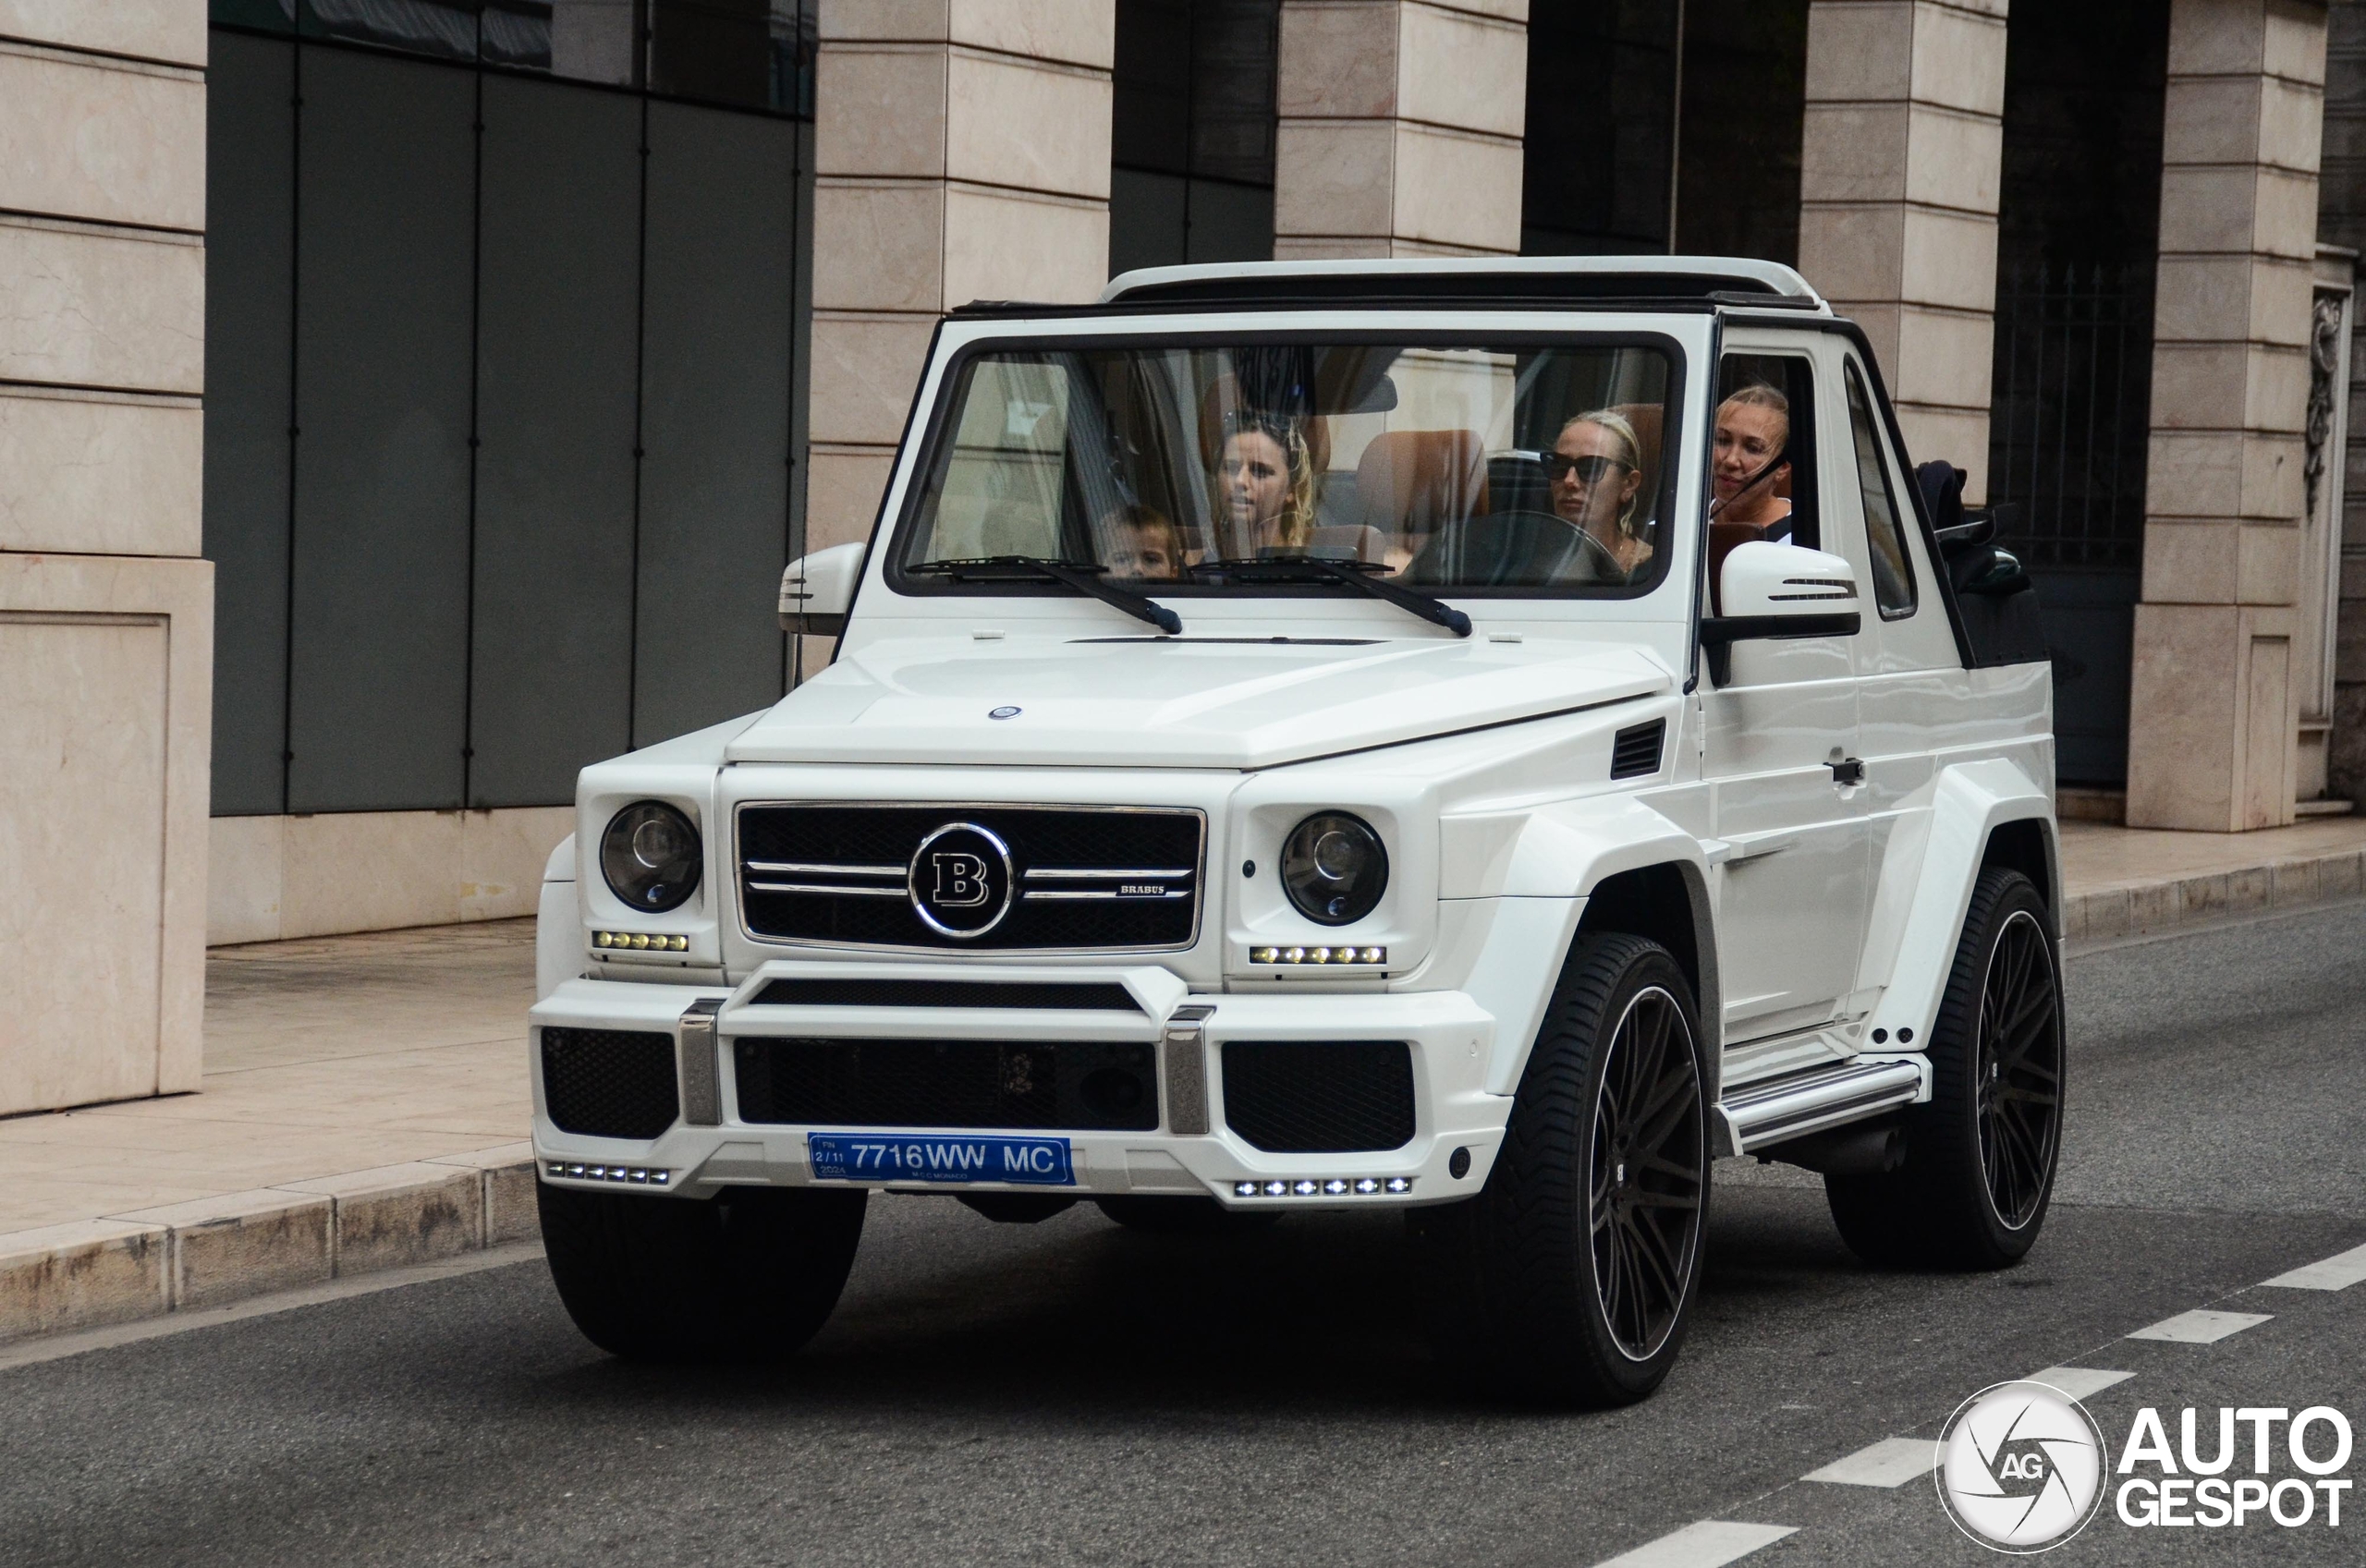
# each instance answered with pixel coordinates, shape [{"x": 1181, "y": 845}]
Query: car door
[{"x": 1778, "y": 743}]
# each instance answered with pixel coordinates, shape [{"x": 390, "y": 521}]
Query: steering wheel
[{"x": 1549, "y": 538}]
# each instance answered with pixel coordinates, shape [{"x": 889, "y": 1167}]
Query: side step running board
[{"x": 1775, "y": 1109}]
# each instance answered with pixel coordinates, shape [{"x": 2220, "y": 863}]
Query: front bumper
[{"x": 1450, "y": 1036}]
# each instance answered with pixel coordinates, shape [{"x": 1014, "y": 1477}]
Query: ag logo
[
  {"x": 2021, "y": 1467},
  {"x": 960, "y": 880}
]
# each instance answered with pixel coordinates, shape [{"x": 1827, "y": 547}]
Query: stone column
[
  {"x": 2341, "y": 220},
  {"x": 2212, "y": 714},
  {"x": 961, "y": 152},
  {"x": 107, "y": 630},
  {"x": 1901, "y": 159},
  {"x": 1400, "y": 126}
]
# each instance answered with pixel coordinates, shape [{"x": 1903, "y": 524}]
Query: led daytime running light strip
[
  {"x": 1328, "y": 1187},
  {"x": 639, "y": 1176},
  {"x": 1318, "y": 955},
  {"x": 641, "y": 941}
]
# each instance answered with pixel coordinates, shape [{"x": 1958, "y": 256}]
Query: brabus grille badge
[{"x": 1026, "y": 878}]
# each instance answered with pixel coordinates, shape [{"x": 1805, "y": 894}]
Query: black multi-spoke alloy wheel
[
  {"x": 1978, "y": 1173},
  {"x": 1571, "y": 1276},
  {"x": 747, "y": 1275}
]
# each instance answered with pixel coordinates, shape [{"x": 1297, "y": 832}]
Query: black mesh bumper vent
[
  {"x": 610, "y": 1083},
  {"x": 1635, "y": 751},
  {"x": 1084, "y": 1085},
  {"x": 1320, "y": 1096}
]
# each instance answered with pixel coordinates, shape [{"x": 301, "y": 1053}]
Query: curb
[
  {"x": 2145, "y": 908},
  {"x": 210, "y": 1251}
]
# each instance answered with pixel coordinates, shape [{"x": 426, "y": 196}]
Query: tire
[
  {"x": 1182, "y": 1215},
  {"x": 1567, "y": 1279},
  {"x": 749, "y": 1275},
  {"x": 1978, "y": 1174}
]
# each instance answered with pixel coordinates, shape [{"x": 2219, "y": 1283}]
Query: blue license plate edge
[{"x": 886, "y": 1157}]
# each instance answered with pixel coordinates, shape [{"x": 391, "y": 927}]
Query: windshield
[{"x": 1171, "y": 466}]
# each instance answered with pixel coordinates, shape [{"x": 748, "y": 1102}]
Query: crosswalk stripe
[
  {"x": 1709, "y": 1543},
  {"x": 2079, "y": 1381},
  {"x": 1892, "y": 1462},
  {"x": 2201, "y": 1326},
  {"x": 2340, "y": 1271}
]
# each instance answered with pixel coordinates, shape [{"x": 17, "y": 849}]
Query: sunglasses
[{"x": 1590, "y": 470}]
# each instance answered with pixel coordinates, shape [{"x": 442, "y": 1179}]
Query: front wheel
[
  {"x": 747, "y": 1275},
  {"x": 1571, "y": 1276},
  {"x": 1980, "y": 1158}
]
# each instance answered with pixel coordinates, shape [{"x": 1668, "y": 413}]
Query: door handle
[{"x": 1847, "y": 772}]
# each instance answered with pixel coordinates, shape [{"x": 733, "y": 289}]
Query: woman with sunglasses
[{"x": 1596, "y": 472}]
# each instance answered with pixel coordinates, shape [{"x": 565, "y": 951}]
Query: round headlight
[
  {"x": 1333, "y": 868},
  {"x": 649, "y": 855}
]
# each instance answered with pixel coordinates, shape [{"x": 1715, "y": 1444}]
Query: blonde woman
[
  {"x": 1266, "y": 484},
  {"x": 1754, "y": 429},
  {"x": 1596, "y": 472}
]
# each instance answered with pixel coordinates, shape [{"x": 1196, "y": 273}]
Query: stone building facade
[{"x": 542, "y": 333}]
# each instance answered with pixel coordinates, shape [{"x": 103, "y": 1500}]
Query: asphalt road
[{"x": 1073, "y": 1393}]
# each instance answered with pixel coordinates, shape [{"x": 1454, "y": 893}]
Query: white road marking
[
  {"x": 1707, "y": 1544},
  {"x": 2340, "y": 1271},
  {"x": 2079, "y": 1381},
  {"x": 2201, "y": 1326},
  {"x": 1892, "y": 1462},
  {"x": 25, "y": 1352}
]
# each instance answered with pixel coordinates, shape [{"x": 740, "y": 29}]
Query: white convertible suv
[{"x": 1485, "y": 738}]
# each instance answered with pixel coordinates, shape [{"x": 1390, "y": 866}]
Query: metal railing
[{"x": 2067, "y": 426}]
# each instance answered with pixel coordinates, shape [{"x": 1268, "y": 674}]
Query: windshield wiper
[
  {"x": 1082, "y": 575},
  {"x": 1355, "y": 574}
]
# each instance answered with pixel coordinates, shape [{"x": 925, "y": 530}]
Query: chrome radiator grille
[{"x": 945, "y": 877}]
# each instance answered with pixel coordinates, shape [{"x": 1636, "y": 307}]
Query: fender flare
[
  {"x": 1968, "y": 802},
  {"x": 559, "y": 923},
  {"x": 1563, "y": 853}
]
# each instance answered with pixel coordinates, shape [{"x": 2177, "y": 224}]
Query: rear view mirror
[
  {"x": 817, "y": 591},
  {"x": 1778, "y": 591}
]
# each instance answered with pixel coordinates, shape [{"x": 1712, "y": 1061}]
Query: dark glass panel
[
  {"x": 381, "y": 549},
  {"x": 270, "y": 16},
  {"x": 1233, "y": 45},
  {"x": 1600, "y": 129},
  {"x": 1150, "y": 112},
  {"x": 558, "y": 271},
  {"x": 1193, "y": 138},
  {"x": 717, "y": 375},
  {"x": 1745, "y": 99},
  {"x": 250, "y": 216},
  {"x": 757, "y": 52}
]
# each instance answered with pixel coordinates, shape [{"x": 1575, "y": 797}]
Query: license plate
[{"x": 854, "y": 1157}]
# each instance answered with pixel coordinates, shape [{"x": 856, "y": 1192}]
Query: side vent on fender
[{"x": 1635, "y": 751}]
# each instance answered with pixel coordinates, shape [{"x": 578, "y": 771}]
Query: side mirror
[
  {"x": 817, "y": 591},
  {"x": 1778, "y": 591}
]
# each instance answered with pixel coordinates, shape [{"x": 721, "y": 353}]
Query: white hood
[{"x": 1175, "y": 704}]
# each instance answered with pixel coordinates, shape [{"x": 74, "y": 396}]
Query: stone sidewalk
[{"x": 365, "y": 1097}]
